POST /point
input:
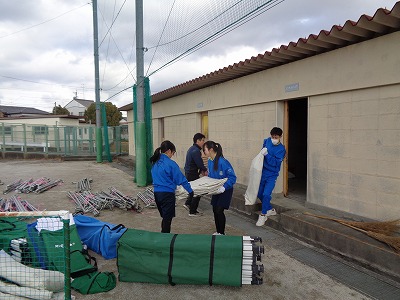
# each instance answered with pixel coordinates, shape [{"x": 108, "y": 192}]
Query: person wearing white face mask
[{"x": 274, "y": 153}]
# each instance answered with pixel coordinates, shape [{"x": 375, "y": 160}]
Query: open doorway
[{"x": 297, "y": 149}]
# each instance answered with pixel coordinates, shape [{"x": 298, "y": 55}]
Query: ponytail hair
[
  {"x": 164, "y": 147},
  {"x": 217, "y": 149}
]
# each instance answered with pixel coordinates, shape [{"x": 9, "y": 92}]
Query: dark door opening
[{"x": 297, "y": 152}]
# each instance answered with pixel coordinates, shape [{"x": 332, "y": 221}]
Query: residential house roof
[
  {"x": 383, "y": 22},
  {"x": 83, "y": 102},
  {"x": 48, "y": 116},
  {"x": 20, "y": 110}
]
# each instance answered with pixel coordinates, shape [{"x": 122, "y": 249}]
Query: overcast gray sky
[{"x": 46, "y": 46}]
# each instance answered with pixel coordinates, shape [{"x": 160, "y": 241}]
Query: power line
[
  {"x": 44, "y": 22},
  {"x": 116, "y": 45},
  {"x": 108, "y": 44},
  {"x": 36, "y": 82},
  {"x": 242, "y": 20},
  {"x": 109, "y": 29},
  {"x": 165, "y": 25},
  {"x": 217, "y": 19}
]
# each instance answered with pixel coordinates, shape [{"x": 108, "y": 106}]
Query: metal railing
[{"x": 59, "y": 140}]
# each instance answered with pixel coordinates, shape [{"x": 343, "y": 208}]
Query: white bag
[{"x": 255, "y": 172}]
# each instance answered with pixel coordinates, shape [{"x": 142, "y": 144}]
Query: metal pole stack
[
  {"x": 12, "y": 186},
  {"x": 39, "y": 185},
  {"x": 147, "y": 196},
  {"x": 15, "y": 203},
  {"x": 252, "y": 268},
  {"x": 83, "y": 185},
  {"x": 86, "y": 201}
]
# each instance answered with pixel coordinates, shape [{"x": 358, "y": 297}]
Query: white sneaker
[
  {"x": 216, "y": 233},
  {"x": 196, "y": 214},
  {"x": 271, "y": 212},
  {"x": 261, "y": 220}
]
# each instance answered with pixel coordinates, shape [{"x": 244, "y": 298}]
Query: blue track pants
[{"x": 267, "y": 184}]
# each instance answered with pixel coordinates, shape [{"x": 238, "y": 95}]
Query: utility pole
[
  {"x": 99, "y": 139},
  {"x": 139, "y": 60},
  {"x": 140, "y": 147}
]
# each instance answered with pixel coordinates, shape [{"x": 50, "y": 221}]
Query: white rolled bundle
[
  {"x": 202, "y": 186},
  {"x": 30, "y": 277},
  {"x": 22, "y": 291}
]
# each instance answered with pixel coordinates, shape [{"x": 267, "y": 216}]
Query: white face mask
[{"x": 275, "y": 141}]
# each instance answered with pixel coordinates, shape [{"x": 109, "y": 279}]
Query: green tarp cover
[
  {"x": 11, "y": 228},
  {"x": 155, "y": 257},
  {"x": 54, "y": 247}
]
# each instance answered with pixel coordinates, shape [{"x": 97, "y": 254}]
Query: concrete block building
[{"x": 335, "y": 94}]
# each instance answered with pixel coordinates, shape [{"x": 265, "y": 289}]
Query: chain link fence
[{"x": 35, "y": 255}]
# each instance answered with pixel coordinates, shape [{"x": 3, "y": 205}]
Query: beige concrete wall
[
  {"x": 354, "y": 152},
  {"x": 156, "y": 133},
  {"x": 241, "y": 132},
  {"x": 180, "y": 131}
]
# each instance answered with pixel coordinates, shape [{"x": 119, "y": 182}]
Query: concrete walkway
[
  {"x": 334, "y": 238},
  {"x": 293, "y": 269},
  {"x": 296, "y": 219}
]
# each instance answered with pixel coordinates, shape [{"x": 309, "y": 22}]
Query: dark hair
[
  {"x": 276, "y": 131},
  {"x": 198, "y": 136},
  {"x": 218, "y": 150},
  {"x": 164, "y": 147}
]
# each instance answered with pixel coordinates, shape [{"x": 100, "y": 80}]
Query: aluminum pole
[
  {"x": 99, "y": 139},
  {"x": 140, "y": 133}
]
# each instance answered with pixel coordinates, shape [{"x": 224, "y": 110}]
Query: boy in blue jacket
[
  {"x": 166, "y": 177},
  {"x": 274, "y": 153}
]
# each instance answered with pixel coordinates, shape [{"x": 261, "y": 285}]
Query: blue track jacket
[
  {"x": 274, "y": 158},
  {"x": 167, "y": 176},
  {"x": 224, "y": 170}
]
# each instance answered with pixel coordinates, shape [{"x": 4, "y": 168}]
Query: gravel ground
[{"x": 284, "y": 277}]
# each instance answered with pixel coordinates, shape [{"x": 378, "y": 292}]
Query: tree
[
  {"x": 58, "y": 110},
  {"x": 112, "y": 113}
]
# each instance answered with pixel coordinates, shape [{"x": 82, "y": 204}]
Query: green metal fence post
[
  {"x": 67, "y": 288},
  {"x": 47, "y": 140},
  {"x": 3, "y": 149},
  {"x": 57, "y": 142},
  {"x": 105, "y": 131},
  {"x": 75, "y": 140},
  {"x": 117, "y": 140},
  {"x": 24, "y": 127},
  {"x": 65, "y": 141},
  {"x": 91, "y": 148}
]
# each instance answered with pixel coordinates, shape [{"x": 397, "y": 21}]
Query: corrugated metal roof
[{"x": 383, "y": 22}]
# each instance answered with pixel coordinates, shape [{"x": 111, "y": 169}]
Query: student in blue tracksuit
[
  {"x": 274, "y": 153},
  {"x": 219, "y": 167},
  {"x": 166, "y": 177}
]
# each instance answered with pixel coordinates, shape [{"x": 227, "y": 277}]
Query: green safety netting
[{"x": 146, "y": 141}]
